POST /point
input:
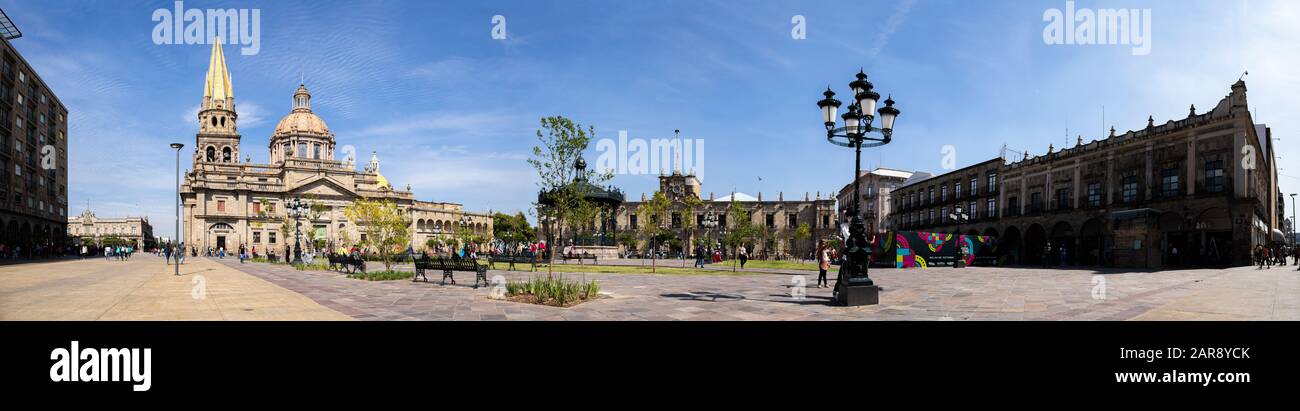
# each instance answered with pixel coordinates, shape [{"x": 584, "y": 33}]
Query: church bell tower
[{"x": 218, "y": 137}]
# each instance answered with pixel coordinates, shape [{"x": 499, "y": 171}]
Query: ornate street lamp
[
  {"x": 854, "y": 286},
  {"x": 297, "y": 209},
  {"x": 958, "y": 216}
]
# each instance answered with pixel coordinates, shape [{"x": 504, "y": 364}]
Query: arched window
[
  {"x": 214, "y": 121},
  {"x": 223, "y": 121},
  {"x": 212, "y": 153},
  {"x": 225, "y": 155}
]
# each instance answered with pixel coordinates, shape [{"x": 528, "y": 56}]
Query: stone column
[
  {"x": 1074, "y": 201},
  {"x": 1149, "y": 179},
  {"x": 1191, "y": 163},
  {"x": 1110, "y": 178}
]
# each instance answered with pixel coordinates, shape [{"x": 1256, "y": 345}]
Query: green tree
[
  {"x": 654, "y": 214},
  {"x": 512, "y": 229},
  {"x": 686, "y": 208},
  {"x": 567, "y": 189},
  {"x": 387, "y": 228},
  {"x": 803, "y": 232},
  {"x": 739, "y": 233},
  {"x": 288, "y": 226}
]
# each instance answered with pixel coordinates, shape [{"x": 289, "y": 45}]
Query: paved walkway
[
  {"x": 209, "y": 289},
  {"x": 978, "y": 293},
  {"x": 144, "y": 288}
]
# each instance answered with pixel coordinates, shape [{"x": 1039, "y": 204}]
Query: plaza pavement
[
  {"x": 977, "y": 293},
  {"x": 144, "y": 288}
]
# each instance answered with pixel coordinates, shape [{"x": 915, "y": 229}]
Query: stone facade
[
  {"x": 780, "y": 217},
  {"x": 92, "y": 230},
  {"x": 228, "y": 202},
  {"x": 875, "y": 186},
  {"x": 1193, "y": 191},
  {"x": 33, "y": 156}
]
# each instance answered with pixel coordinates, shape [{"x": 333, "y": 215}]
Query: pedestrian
[
  {"x": 744, "y": 256},
  {"x": 242, "y": 250},
  {"x": 823, "y": 264},
  {"x": 167, "y": 255},
  {"x": 699, "y": 257}
]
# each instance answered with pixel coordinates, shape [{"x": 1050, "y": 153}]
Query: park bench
[
  {"x": 272, "y": 258},
  {"x": 449, "y": 266},
  {"x": 346, "y": 262},
  {"x": 512, "y": 260},
  {"x": 580, "y": 257}
]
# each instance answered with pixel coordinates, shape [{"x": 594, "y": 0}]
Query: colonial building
[
  {"x": 93, "y": 231},
  {"x": 933, "y": 201},
  {"x": 778, "y": 218},
  {"x": 33, "y": 154},
  {"x": 875, "y": 187},
  {"x": 1199, "y": 190},
  {"x": 228, "y": 202}
]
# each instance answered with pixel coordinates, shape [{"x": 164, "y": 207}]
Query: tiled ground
[
  {"x": 934, "y": 294},
  {"x": 144, "y": 288}
]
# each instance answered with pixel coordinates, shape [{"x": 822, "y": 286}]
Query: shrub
[{"x": 555, "y": 291}]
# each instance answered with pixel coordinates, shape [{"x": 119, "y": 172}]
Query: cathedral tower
[{"x": 218, "y": 138}]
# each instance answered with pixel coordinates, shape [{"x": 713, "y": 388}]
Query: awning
[{"x": 1278, "y": 235}]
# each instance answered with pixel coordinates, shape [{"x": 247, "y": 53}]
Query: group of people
[
  {"x": 170, "y": 252},
  {"x": 711, "y": 254},
  {"x": 30, "y": 252},
  {"x": 1277, "y": 254},
  {"x": 120, "y": 252}
]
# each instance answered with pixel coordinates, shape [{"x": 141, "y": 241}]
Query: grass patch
[
  {"x": 317, "y": 265},
  {"x": 779, "y": 265},
  {"x": 715, "y": 269},
  {"x": 383, "y": 275},
  {"x": 553, "y": 291}
]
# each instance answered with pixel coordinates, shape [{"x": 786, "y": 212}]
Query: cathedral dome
[
  {"x": 301, "y": 121},
  {"x": 297, "y": 123}
]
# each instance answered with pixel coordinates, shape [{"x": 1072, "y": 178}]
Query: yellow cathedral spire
[{"x": 217, "y": 85}]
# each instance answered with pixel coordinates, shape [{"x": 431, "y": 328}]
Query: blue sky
[{"x": 453, "y": 112}]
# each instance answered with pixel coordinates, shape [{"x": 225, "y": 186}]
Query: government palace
[{"x": 228, "y": 203}]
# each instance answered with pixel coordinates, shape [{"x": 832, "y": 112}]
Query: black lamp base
[{"x": 857, "y": 295}]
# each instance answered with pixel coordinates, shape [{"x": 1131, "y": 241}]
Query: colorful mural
[{"x": 921, "y": 249}]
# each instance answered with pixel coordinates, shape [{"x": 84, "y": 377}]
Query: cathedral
[{"x": 228, "y": 203}]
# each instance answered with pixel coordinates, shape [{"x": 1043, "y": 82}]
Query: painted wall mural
[{"x": 912, "y": 249}]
